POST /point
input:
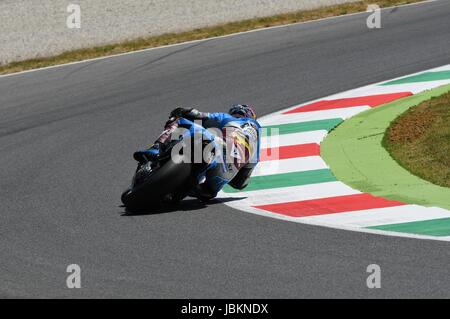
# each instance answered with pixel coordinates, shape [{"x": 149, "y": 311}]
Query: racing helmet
[{"x": 242, "y": 110}]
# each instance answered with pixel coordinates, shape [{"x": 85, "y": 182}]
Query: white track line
[
  {"x": 299, "y": 164},
  {"x": 343, "y": 113},
  {"x": 380, "y": 216},
  {"x": 292, "y": 194},
  {"x": 293, "y": 139}
]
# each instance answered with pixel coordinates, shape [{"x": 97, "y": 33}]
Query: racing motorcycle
[{"x": 173, "y": 175}]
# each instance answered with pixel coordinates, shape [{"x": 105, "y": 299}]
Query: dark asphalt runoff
[{"x": 67, "y": 135}]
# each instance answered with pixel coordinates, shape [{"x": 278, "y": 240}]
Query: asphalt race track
[{"x": 67, "y": 135}]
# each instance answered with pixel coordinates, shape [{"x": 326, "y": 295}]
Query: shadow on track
[{"x": 190, "y": 204}]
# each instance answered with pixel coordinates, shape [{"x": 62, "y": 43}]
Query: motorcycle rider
[{"x": 241, "y": 137}]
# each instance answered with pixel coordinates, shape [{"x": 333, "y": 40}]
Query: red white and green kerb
[{"x": 300, "y": 187}]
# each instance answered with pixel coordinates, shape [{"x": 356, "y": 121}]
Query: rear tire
[{"x": 167, "y": 179}]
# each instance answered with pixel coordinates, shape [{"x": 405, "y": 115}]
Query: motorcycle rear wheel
[{"x": 167, "y": 179}]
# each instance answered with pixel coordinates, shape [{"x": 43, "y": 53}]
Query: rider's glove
[{"x": 180, "y": 112}]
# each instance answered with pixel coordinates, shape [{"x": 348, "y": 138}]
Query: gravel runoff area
[{"x": 33, "y": 29}]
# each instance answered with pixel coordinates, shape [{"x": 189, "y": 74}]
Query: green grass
[
  {"x": 197, "y": 34},
  {"x": 419, "y": 140}
]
